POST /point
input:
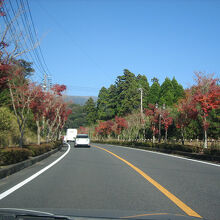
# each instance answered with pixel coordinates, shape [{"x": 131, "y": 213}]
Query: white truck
[{"x": 71, "y": 134}]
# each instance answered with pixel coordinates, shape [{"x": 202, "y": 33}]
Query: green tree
[
  {"x": 77, "y": 118},
  {"x": 112, "y": 101},
  {"x": 5, "y": 99},
  {"x": 155, "y": 79},
  {"x": 167, "y": 93},
  {"x": 214, "y": 119},
  {"x": 106, "y": 103},
  {"x": 91, "y": 113},
  {"x": 8, "y": 127},
  {"x": 26, "y": 67},
  {"x": 178, "y": 90},
  {"x": 143, "y": 83},
  {"x": 127, "y": 93},
  {"x": 102, "y": 104},
  {"x": 154, "y": 92}
]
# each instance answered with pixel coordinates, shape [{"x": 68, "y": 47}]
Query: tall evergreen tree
[
  {"x": 154, "y": 92},
  {"x": 127, "y": 93},
  {"x": 112, "y": 102},
  {"x": 167, "y": 93},
  {"x": 143, "y": 83},
  {"x": 91, "y": 113},
  {"x": 178, "y": 90},
  {"x": 102, "y": 103}
]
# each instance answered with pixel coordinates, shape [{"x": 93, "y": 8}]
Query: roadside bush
[
  {"x": 43, "y": 148},
  {"x": 212, "y": 151},
  {"x": 57, "y": 144},
  {"x": 9, "y": 132},
  {"x": 39, "y": 149},
  {"x": 164, "y": 146},
  {"x": 13, "y": 155}
]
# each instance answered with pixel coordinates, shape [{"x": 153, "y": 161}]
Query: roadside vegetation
[
  {"x": 31, "y": 116},
  {"x": 170, "y": 115}
]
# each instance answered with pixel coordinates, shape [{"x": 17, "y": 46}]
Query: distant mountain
[{"x": 81, "y": 100}]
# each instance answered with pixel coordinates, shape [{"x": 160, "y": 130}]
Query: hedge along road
[{"x": 95, "y": 179}]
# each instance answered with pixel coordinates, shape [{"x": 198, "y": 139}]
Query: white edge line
[
  {"x": 19, "y": 185},
  {"x": 168, "y": 155},
  {"x": 29, "y": 210}
]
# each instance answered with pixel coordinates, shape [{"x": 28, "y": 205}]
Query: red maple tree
[
  {"x": 120, "y": 125},
  {"x": 105, "y": 128},
  {"x": 37, "y": 106},
  {"x": 166, "y": 120},
  {"x": 206, "y": 95},
  {"x": 187, "y": 111},
  {"x": 153, "y": 115},
  {"x": 82, "y": 130},
  {"x": 53, "y": 108}
]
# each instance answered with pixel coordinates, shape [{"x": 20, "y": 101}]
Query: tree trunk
[
  {"x": 182, "y": 134},
  {"x": 166, "y": 135},
  {"x": 159, "y": 136},
  {"x": 153, "y": 138},
  {"x": 21, "y": 138},
  {"x": 38, "y": 132},
  {"x": 205, "y": 139}
]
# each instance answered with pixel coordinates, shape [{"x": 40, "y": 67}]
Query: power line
[
  {"x": 30, "y": 30},
  {"x": 29, "y": 33},
  {"x": 36, "y": 36},
  {"x": 13, "y": 32}
]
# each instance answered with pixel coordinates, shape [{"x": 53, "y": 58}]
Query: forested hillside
[{"x": 168, "y": 111}]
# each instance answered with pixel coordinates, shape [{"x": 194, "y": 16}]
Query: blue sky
[{"x": 88, "y": 43}]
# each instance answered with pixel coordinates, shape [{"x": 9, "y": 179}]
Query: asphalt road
[{"x": 92, "y": 180}]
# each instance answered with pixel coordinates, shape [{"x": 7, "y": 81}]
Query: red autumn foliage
[
  {"x": 64, "y": 113},
  {"x": 153, "y": 115},
  {"x": 37, "y": 105},
  {"x": 206, "y": 95},
  {"x": 4, "y": 75},
  {"x": 82, "y": 130},
  {"x": 166, "y": 120},
  {"x": 58, "y": 89},
  {"x": 120, "y": 124},
  {"x": 104, "y": 128},
  {"x": 186, "y": 110}
]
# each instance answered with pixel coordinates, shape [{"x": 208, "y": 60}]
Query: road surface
[{"x": 115, "y": 181}]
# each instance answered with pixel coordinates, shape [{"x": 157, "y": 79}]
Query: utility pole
[
  {"x": 160, "y": 121},
  {"x": 140, "y": 89},
  {"x": 44, "y": 88},
  {"x": 45, "y": 82},
  {"x": 49, "y": 83}
]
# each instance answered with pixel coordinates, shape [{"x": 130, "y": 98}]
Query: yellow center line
[
  {"x": 149, "y": 214},
  {"x": 134, "y": 216},
  {"x": 172, "y": 197}
]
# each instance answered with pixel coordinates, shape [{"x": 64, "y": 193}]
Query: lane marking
[
  {"x": 172, "y": 197},
  {"x": 168, "y": 155},
  {"x": 134, "y": 216},
  {"x": 19, "y": 185},
  {"x": 29, "y": 210}
]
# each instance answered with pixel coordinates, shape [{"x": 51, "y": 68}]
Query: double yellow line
[{"x": 172, "y": 197}]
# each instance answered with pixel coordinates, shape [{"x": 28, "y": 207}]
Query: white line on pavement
[
  {"x": 168, "y": 155},
  {"x": 19, "y": 185},
  {"x": 26, "y": 210}
]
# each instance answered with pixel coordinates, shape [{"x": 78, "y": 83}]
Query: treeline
[
  {"x": 27, "y": 108},
  {"x": 169, "y": 111},
  {"x": 124, "y": 97},
  {"x": 28, "y": 112}
]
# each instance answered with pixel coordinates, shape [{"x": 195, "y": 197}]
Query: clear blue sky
[{"x": 88, "y": 43}]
